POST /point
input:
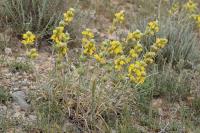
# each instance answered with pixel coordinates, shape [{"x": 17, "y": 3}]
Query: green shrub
[
  {"x": 4, "y": 95},
  {"x": 182, "y": 40},
  {"x": 172, "y": 84},
  {"x": 19, "y": 66},
  {"x": 179, "y": 30},
  {"x": 35, "y": 15}
]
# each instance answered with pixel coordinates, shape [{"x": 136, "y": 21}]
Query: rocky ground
[{"x": 19, "y": 84}]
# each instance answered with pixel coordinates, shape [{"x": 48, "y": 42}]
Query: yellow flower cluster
[
  {"x": 59, "y": 36},
  {"x": 88, "y": 34},
  {"x": 88, "y": 42},
  {"x": 137, "y": 72},
  {"x": 89, "y": 48},
  {"x": 100, "y": 58},
  {"x": 68, "y": 16},
  {"x": 62, "y": 48},
  {"x": 119, "y": 19},
  {"x": 159, "y": 44},
  {"x": 120, "y": 62},
  {"x": 115, "y": 47},
  {"x": 134, "y": 36},
  {"x": 135, "y": 52},
  {"x": 191, "y": 6},
  {"x": 152, "y": 28},
  {"x": 28, "y": 38},
  {"x": 32, "y": 54}
]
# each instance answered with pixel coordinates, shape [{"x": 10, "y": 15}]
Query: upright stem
[
  {"x": 93, "y": 99},
  {"x": 78, "y": 96},
  {"x": 159, "y": 9}
]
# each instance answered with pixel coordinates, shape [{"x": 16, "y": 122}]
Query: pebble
[
  {"x": 32, "y": 117},
  {"x": 8, "y": 51},
  {"x": 3, "y": 110}
]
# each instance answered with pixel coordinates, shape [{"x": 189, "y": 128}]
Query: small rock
[
  {"x": 32, "y": 117},
  {"x": 17, "y": 115},
  {"x": 24, "y": 82},
  {"x": 19, "y": 98},
  {"x": 8, "y": 51},
  {"x": 3, "y": 109},
  {"x": 15, "y": 89}
]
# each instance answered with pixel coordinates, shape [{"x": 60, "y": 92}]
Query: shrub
[
  {"x": 171, "y": 84},
  {"x": 179, "y": 29},
  {"x": 20, "y": 66},
  {"x": 182, "y": 40},
  {"x": 4, "y": 95},
  {"x": 35, "y": 15}
]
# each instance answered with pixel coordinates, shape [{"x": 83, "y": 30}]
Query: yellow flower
[
  {"x": 134, "y": 36},
  {"x": 161, "y": 42},
  {"x": 152, "y": 28},
  {"x": 134, "y": 53},
  {"x": 28, "y": 38},
  {"x": 100, "y": 58},
  {"x": 120, "y": 62},
  {"x": 61, "y": 48},
  {"x": 137, "y": 72},
  {"x": 128, "y": 59},
  {"x": 89, "y": 48},
  {"x": 191, "y": 6},
  {"x": 88, "y": 34},
  {"x": 142, "y": 63},
  {"x": 59, "y": 35},
  {"x": 32, "y": 54},
  {"x": 150, "y": 55},
  {"x": 120, "y": 17},
  {"x": 69, "y": 16},
  {"x": 84, "y": 41},
  {"x": 115, "y": 47},
  {"x": 138, "y": 48}
]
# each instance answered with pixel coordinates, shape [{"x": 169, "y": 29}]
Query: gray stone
[{"x": 19, "y": 98}]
